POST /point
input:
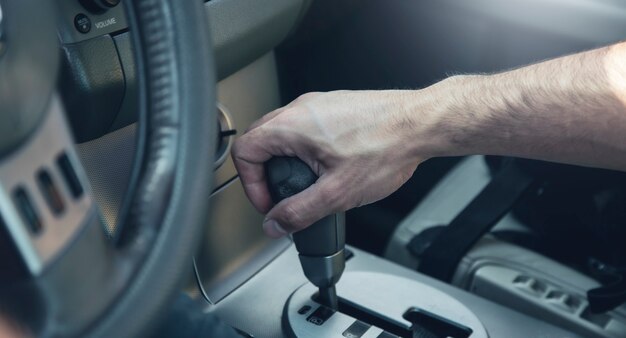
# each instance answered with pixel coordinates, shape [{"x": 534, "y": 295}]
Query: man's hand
[
  {"x": 365, "y": 144},
  {"x": 359, "y": 143}
]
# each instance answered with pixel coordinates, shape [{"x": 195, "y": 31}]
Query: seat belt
[
  {"x": 451, "y": 243},
  {"x": 611, "y": 295}
]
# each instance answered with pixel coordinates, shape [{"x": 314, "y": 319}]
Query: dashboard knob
[{"x": 98, "y": 6}]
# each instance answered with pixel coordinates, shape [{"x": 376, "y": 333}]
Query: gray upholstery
[
  {"x": 442, "y": 204},
  {"x": 493, "y": 268}
]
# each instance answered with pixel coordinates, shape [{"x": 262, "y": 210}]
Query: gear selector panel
[{"x": 373, "y": 305}]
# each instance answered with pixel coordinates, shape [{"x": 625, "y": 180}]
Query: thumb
[{"x": 305, "y": 208}]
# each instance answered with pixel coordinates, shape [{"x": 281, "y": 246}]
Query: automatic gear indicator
[{"x": 320, "y": 315}]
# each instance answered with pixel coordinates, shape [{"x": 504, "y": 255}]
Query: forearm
[
  {"x": 571, "y": 110},
  {"x": 365, "y": 144}
]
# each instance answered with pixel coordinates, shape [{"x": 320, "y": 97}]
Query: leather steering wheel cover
[{"x": 169, "y": 202}]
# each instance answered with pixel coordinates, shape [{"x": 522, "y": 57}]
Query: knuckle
[
  {"x": 335, "y": 197},
  {"x": 403, "y": 176},
  {"x": 307, "y": 96},
  {"x": 357, "y": 202},
  {"x": 280, "y": 119},
  {"x": 236, "y": 150},
  {"x": 332, "y": 198},
  {"x": 291, "y": 117},
  {"x": 349, "y": 200},
  {"x": 347, "y": 204},
  {"x": 240, "y": 147},
  {"x": 293, "y": 217}
]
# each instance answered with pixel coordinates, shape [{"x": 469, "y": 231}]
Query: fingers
[
  {"x": 248, "y": 157},
  {"x": 301, "y": 210},
  {"x": 249, "y": 152},
  {"x": 256, "y": 146},
  {"x": 252, "y": 178}
]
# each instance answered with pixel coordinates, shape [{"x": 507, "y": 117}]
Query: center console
[
  {"x": 377, "y": 299},
  {"x": 381, "y": 305}
]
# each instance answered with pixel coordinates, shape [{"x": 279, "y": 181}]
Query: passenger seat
[{"x": 503, "y": 272}]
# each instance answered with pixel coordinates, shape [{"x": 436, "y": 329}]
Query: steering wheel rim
[{"x": 89, "y": 286}]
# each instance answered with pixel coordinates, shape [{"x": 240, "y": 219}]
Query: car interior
[{"x": 118, "y": 190}]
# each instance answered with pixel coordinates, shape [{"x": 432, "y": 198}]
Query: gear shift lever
[{"x": 321, "y": 245}]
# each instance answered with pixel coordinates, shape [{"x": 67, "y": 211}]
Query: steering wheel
[{"x": 60, "y": 275}]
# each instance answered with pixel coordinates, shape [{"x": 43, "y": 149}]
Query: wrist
[
  {"x": 446, "y": 119},
  {"x": 462, "y": 117}
]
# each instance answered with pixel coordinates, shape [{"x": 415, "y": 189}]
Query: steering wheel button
[
  {"x": 82, "y": 23},
  {"x": 27, "y": 210},
  {"x": 50, "y": 192},
  {"x": 69, "y": 175}
]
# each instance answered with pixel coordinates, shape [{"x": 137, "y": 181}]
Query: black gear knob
[
  {"x": 287, "y": 176},
  {"x": 320, "y": 245}
]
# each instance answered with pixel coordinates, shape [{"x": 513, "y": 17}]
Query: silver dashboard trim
[{"x": 20, "y": 168}]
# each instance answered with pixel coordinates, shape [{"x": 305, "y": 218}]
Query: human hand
[{"x": 361, "y": 144}]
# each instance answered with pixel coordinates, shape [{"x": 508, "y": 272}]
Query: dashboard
[
  {"x": 98, "y": 87},
  {"x": 99, "y": 74}
]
